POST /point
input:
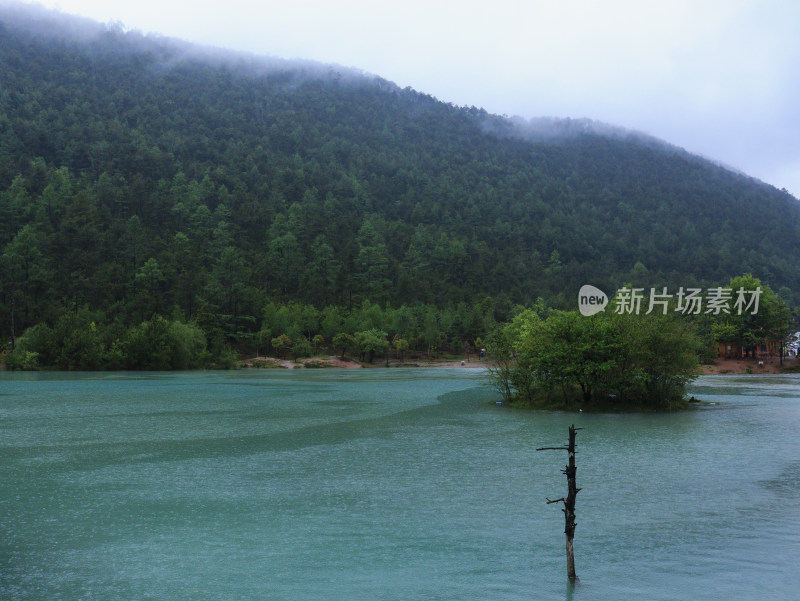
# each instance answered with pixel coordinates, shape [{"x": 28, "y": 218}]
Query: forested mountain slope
[{"x": 142, "y": 176}]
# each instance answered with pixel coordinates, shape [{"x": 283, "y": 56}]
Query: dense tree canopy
[
  {"x": 760, "y": 315},
  {"x": 144, "y": 179},
  {"x": 606, "y": 360}
]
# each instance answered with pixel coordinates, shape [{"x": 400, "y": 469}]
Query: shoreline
[
  {"x": 336, "y": 362},
  {"x": 731, "y": 367},
  {"x": 718, "y": 367},
  {"x": 734, "y": 367}
]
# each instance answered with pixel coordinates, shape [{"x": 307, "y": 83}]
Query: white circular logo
[{"x": 591, "y": 300}]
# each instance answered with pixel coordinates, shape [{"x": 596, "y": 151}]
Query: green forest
[{"x": 165, "y": 206}]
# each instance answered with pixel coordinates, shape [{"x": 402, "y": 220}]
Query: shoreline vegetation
[{"x": 538, "y": 357}]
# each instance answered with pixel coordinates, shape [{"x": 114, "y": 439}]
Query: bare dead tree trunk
[
  {"x": 569, "y": 501},
  {"x": 13, "y": 293}
]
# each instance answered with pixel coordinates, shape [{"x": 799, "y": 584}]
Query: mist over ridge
[
  {"x": 47, "y": 23},
  {"x": 50, "y": 24}
]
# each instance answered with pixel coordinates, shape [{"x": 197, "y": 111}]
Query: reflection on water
[{"x": 387, "y": 484}]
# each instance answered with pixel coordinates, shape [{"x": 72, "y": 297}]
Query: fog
[{"x": 715, "y": 77}]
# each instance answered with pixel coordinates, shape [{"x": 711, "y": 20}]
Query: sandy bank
[
  {"x": 335, "y": 362},
  {"x": 748, "y": 366}
]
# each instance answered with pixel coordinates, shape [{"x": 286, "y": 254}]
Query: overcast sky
[{"x": 720, "y": 78}]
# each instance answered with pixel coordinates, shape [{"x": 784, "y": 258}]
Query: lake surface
[{"x": 387, "y": 485}]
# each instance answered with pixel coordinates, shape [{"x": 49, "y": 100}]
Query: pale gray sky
[{"x": 720, "y": 78}]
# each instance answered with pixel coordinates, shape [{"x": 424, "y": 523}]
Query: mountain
[{"x": 141, "y": 175}]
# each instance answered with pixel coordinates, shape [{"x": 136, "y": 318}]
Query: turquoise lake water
[{"x": 387, "y": 485}]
